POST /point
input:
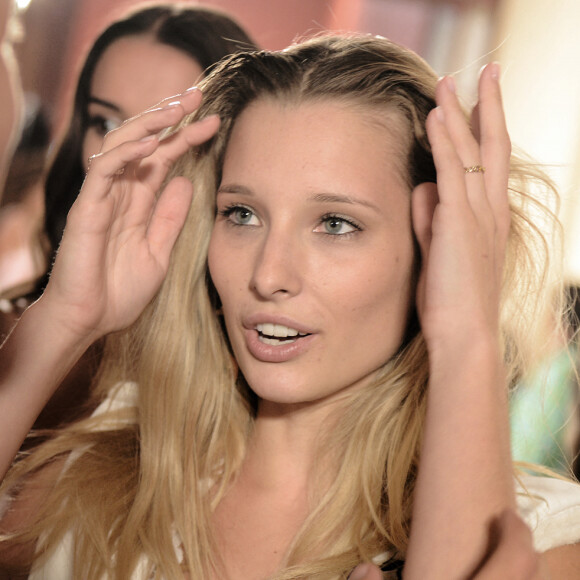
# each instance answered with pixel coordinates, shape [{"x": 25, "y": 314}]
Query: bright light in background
[
  {"x": 22, "y": 4},
  {"x": 540, "y": 55}
]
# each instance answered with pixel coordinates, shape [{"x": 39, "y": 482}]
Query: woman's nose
[{"x": 277, "y": 271}]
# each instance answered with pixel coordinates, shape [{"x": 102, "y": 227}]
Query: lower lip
[{"x": 276, "y": 353}]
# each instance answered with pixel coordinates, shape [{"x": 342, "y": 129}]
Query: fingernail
[
  {"x": 450, "y": 82},
  {"x": 494, "y": 70},
  {"x": 191, "y": 90},
  {"x": 440, "y": 114},
  {"x": 172, "y": 104},
  {"x": 359, "y": 572},
  {"x": 147, "y": 138}
]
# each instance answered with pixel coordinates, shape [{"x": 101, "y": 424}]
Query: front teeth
[{"x": 271, "y": 333}]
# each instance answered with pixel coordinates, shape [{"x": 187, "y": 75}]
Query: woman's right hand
[
  {"x": 513, "y": 556},
  {"x": 120, "y": 232}
]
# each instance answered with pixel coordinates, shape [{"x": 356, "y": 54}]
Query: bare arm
[
  {"x": 113, "y": 257},
  {"x": 512, "y": 557}
]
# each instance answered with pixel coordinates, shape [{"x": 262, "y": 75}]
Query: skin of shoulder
[{"x": 562, "y": 563}]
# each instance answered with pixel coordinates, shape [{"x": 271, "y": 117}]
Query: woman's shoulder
[{"x": 551, "y": 508}]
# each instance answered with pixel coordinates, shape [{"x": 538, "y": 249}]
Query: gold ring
[{"x": 475, "y": 169}]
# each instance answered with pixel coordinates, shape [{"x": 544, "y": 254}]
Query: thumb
[
  {"x": 366, "y": 571},
  {"x": 514, "y": 556}
]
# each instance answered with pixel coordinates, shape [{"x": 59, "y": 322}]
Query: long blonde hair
[{"x": 158, "y": 473}]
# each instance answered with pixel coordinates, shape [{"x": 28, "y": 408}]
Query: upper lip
[{"x": 251, "y": 322}]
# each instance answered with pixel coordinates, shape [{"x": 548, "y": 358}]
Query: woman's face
[
  {"x": 312, "y": 252},
  {"x": 133, "y": 74}
]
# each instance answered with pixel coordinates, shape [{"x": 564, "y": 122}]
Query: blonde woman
[{"x": 315, "y": 375}]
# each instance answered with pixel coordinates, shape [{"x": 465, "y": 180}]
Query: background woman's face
[
  {"x": 133, "y": 74},
  {"x": 312, "y": 252}
]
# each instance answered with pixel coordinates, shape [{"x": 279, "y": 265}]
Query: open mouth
[{"x": 276, "y": 334}]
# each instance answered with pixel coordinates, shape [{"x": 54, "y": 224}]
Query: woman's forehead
[{"x": 342, "y": 113}]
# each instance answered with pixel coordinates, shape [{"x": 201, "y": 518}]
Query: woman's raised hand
[
  {"x": 120, "y": 232},
  {"x": 462, "y": 223}
]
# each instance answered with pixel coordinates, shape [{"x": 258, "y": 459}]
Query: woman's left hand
[{"x": 462, "y": 223}]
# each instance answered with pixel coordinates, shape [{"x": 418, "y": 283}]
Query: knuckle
[{"x": 93, "y": 160}]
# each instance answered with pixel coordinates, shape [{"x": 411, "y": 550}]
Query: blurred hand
[
  {"x": 366, "y": 571},
  {"x": 514, "y": 557}
]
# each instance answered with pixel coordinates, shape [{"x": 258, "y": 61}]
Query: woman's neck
[
  {"x": 284, "y": 468},
  {"x": 284, "y": 447}
]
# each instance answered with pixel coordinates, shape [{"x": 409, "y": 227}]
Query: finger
[
  {"x": 457, "y": 125},
  {"x": 193, "y": 94},
  {"x": 514, "y": 556},
  {"x": 450, "y": 173},
  {"x": 464, "y": 142},
  {"x": 153, "y": 170},
  {"x": 160, "y": 157},
  {"x": 495, "y": 144},
  {"x": 172, "y": 147},
  {"x": 104, "y": 168},
  {"x": 168, "y": 218},
  {"x": 366, "y": 571},
  {"x": 154, "y": 120}
]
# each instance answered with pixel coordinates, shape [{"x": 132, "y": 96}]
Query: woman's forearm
[
  {"x": 34, "y": 359},
  {"x": 465, "y": 475}
]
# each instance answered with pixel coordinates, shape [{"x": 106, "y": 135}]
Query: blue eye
[
  {"x": 335, "y": 225},
  {"x": 239, "y": 215}
]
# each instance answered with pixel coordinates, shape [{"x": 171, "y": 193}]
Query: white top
[{"x": 550, "y": 507}]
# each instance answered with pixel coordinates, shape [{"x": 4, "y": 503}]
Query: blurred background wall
[{"x": 536, "y": 41}]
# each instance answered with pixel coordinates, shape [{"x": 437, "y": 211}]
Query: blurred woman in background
[{"x": 152, "y": 53}]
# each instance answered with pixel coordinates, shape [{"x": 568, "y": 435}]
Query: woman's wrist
[
  {"x": 476, "y": 350},
  {"x": 51, "y": 313},
  {"x": 44, "y": 333}
]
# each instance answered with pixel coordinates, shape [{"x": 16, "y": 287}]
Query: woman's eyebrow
[
  {"x": 339, "y": 198},
  {"x": 318, "y": 198},
  {"x": 234, "y": 188},
  {"x": 103, "y": 103}
]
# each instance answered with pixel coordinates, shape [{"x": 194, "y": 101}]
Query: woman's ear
[{"x": 424, "y": 200}]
